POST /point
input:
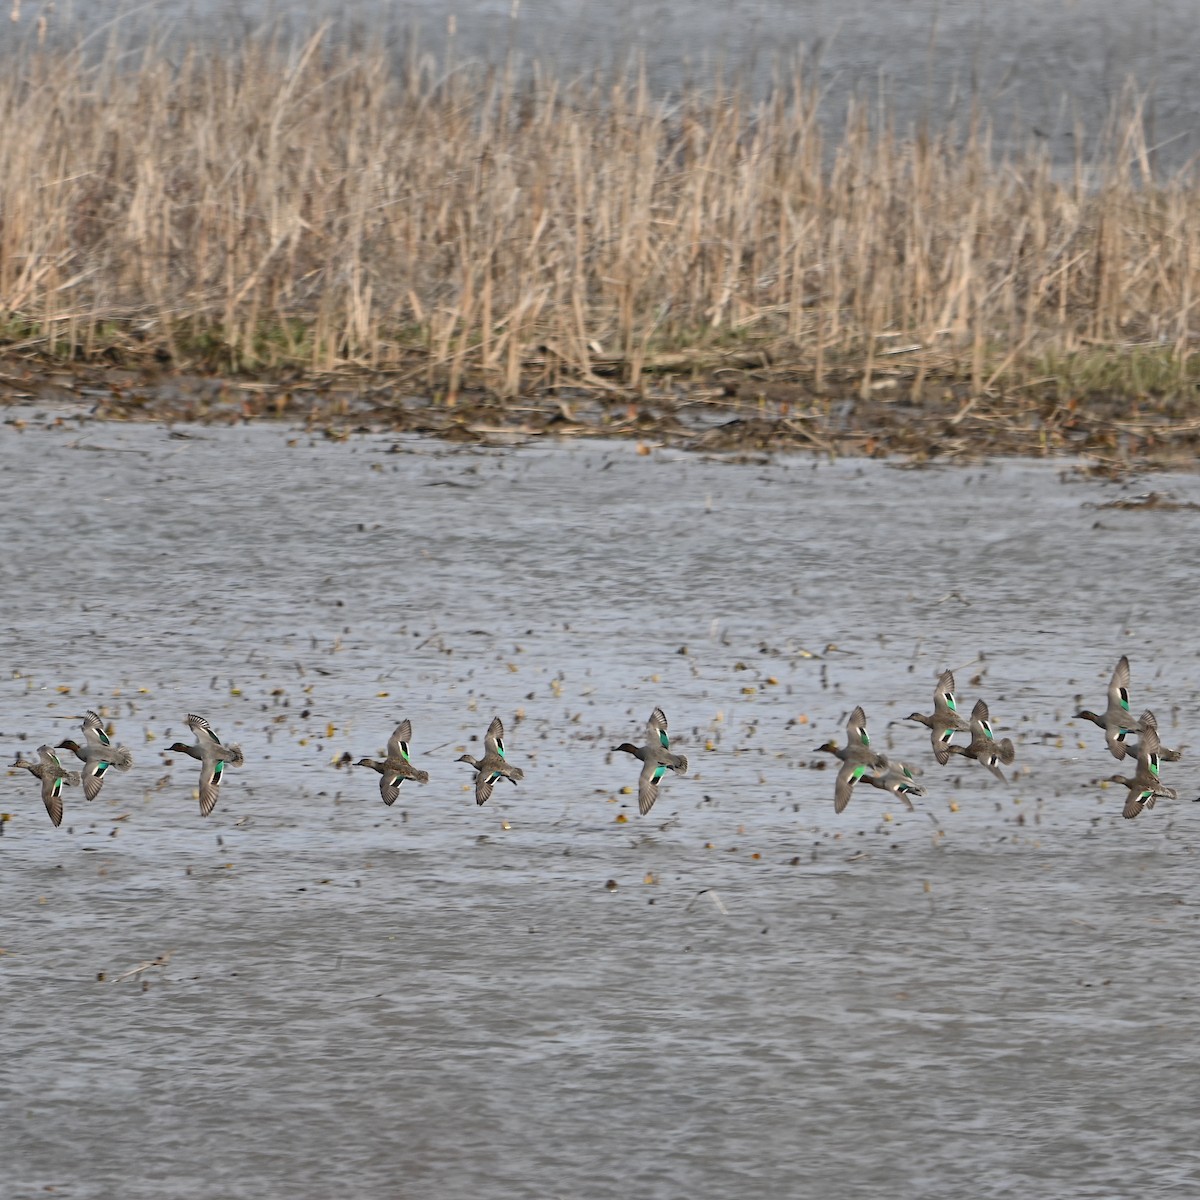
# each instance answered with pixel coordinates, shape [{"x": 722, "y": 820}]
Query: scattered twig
[{"x": 160, "y": 961}]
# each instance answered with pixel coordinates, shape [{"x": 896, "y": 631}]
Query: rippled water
[{"x": 445, "y": 1000}]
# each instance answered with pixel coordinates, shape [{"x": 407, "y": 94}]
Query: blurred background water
[{"x": 1045, "y": 72}]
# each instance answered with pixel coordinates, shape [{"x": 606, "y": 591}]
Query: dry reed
[{"x": 318, "y": 207}]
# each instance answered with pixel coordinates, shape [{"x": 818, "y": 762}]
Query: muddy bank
[{"x": 734, "y": 409}]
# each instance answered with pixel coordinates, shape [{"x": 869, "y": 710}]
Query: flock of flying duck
[
  {"x": 99, "y": 755},
  {"x": 860, "y": 764}
]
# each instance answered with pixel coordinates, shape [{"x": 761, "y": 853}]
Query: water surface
[{"x": 990, "y": 997}]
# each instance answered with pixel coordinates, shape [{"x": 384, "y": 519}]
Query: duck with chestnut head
[
  {"x": 656, "y": 758},
  {"x": 98, "y": 754},
  {"x": 213, "y": 757}
]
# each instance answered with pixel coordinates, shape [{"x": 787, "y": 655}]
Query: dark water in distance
[
  {"x": 1040, "y": 69},
  {"x": 444, "y": 1000}
]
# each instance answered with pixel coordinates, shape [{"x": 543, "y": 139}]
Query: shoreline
[{"x": 732, "y": 409}]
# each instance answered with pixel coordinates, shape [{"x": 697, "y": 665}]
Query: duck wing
[
  {"x": 1135, "y": 801},
  {"x": 202, "y": 729},
  {"x": 856, "y": 730},
  {"x": 210, "y": 785},
  {"x": 939, "y": 739},
  {"x": 656, "y": 730},
  {"x": 397, "y": 746},
  {"x": 484, "y": 782},
  {"x": 981, "y": 727},
  {"x": 50, "y": 772},
  {"x": 1148, "y": 747},
  {"x": 93, "y": 777},
  {"x": 52, "y": 798},
  {"x": 1116, "y": 716},
  {"x": 52, "y": 795},
  {"x": 843, "y": 786},
  {"x": 493, "y": 740},
  {"x": 984, "y": 747},
  {"x": 991, "y": 759},
  {"x": 389, "y": 784},
  {"x": 648, "y": 782},
  {"x": 906, "y": 778},
  {"x": 944, "y": 703},
  {"x": 93, "y": 730},
  {"x": 897, "y": 780}
]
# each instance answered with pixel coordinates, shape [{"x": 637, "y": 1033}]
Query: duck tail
[
  {"x": 236, "y": 757},
  {"x": 73, "y": 778},
  {"x": 422, "y": 776},
  {"x": 1006, "y": 751},
  {"x": 515, "y": 773},
  {"x": 122, "y": 759},
  {"x": 679, "y": 765}
]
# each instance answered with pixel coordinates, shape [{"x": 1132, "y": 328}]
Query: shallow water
[{"x": 422, "y": 1001}]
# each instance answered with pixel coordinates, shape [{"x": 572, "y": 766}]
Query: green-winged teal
[
  {"x": 945, "y": 721},
  {"x": 1145, "y": 786},
  {"x": 397, "y": 767},
  {"x": 897, "y": 778},
  {"x": 1117, "y": 721},
  {"x": 52, "y": 774},
  {"x": 984, "y": 748},
  {"x": 858, "y": 759},
  {"x": 99, "y": 754},
  {"x": 493, "y": 766},
  {"x": 213, "y": 758},
  {"x": 657, "y": 760}
]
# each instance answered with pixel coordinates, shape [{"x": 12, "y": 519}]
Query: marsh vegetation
[{"x": 307, "y": 210}]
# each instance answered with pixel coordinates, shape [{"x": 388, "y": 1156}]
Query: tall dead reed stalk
[{"x": 316, "y": 207}]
